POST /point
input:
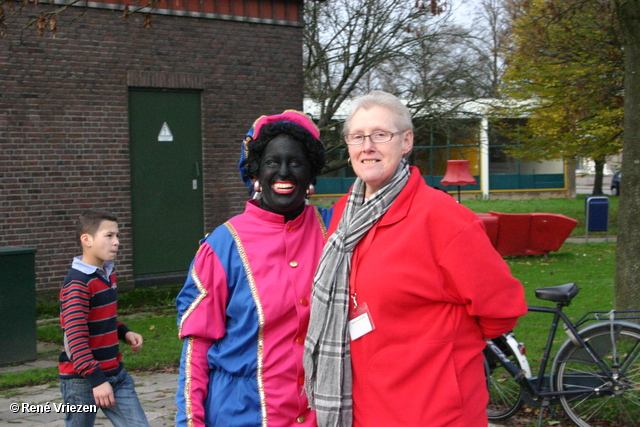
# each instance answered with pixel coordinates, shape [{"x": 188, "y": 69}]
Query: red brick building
[{"x": 144, "y": 122}]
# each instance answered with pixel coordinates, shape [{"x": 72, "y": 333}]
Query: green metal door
[{"x": 166, "y": 180}]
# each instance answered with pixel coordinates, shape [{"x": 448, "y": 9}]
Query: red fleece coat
[{"x": 435, "y": 288}]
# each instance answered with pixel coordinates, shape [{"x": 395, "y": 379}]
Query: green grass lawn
[
  {"x": 151, "y": 312},
  {"x": 590, "y": 266}
]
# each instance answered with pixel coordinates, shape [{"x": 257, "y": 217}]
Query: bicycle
[{"x": 595, "y": 374}]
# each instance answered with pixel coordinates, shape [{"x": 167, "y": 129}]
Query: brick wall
[{"x": 64, "y": 119}]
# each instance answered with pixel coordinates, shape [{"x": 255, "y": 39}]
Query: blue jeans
[{"x": 127, "y": 413}]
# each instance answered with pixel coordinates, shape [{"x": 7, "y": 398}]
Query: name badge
[{"x": 361, "y": 322}]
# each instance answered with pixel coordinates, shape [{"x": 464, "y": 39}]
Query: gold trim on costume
[
  {"x": 187, "y": 383},
  {"x": 321, "y": 221},
  {"x": 200, "y": 297},
  {"x": 256, "y": 300}
]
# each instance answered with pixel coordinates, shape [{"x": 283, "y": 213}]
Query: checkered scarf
[{"x": 327, "y": 358}]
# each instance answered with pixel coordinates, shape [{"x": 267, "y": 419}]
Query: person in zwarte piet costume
[{"x": 244, "y": 309}]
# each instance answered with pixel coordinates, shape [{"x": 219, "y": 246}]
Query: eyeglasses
[{"x": 378, "y": 137}]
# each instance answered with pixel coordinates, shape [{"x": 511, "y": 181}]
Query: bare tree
[
  {"x": 46, "y": 19},
  {"x": 489, "y": 40},
  {"x": 409, "y": 48},
  {"x": 345, "y": 41}
]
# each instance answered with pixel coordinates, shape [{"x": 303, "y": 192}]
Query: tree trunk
[
  {"x": 627, "y": 284},
  {"x": 597, "y": 181},
  {"x": 571, "y": 177}
]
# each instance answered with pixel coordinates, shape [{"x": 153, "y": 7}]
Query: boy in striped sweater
[{"x": 91, "y": 370}]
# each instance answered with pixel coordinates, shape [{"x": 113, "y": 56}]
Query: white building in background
[
  {"x": 585, "y": 166},
  {"x": 470, "y": 134}
]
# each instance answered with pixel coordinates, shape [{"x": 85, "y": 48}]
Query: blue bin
[{"x": 597, "y": 213}]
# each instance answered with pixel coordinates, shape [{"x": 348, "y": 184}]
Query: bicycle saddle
[{"x": 562, "y": 293}]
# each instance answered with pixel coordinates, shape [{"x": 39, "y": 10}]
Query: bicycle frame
[
  {"x": 534, "y": 387},
  {"x": 574, "y": 336},
  {"x": 599, "y": 360}
]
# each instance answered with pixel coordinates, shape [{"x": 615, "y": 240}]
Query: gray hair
[{"x": 378, "y": 98}]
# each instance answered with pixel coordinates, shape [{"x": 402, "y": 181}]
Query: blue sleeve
[
  {"x": 187, "y": 294},
  {"x": 326, "y": 214},
  {"x": 181, "y": 414}
]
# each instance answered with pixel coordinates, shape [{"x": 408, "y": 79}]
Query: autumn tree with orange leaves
[
  {"x": 566, "y": 67},
  {"x": 579, "y": 61}
]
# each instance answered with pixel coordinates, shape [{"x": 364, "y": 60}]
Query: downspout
[{"x": 484, "y": 157}]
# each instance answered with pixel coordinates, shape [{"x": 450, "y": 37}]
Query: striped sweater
[{"x": 91, "y": 329}]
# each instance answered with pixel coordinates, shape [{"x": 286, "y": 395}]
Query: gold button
[
  {"x": 304, "y": 302},
  {"x": 301, "y": 419},
  {"x": 293, "y": 264}
]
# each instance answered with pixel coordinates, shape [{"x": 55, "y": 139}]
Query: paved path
[
  {"x": 591, "y": 239},
  {"x": 584, "y": 184},
  {"x": 155, "y": 391}
]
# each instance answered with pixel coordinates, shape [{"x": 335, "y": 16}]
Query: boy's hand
[
  {"x": 103, "y": 395},
  {"x": 134, "y": 340}
]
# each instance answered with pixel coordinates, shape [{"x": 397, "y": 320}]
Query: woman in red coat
[{"x": 407, "y": 290}]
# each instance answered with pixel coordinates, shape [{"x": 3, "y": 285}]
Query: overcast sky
[{"x": 463, "y": 11}]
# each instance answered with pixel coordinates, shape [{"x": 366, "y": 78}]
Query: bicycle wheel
[
  {"x": 576, "y": 370},
  {"x": 505, "y": 394}
]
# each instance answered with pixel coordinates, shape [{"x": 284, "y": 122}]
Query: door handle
[{"x": 194, "y": 181}]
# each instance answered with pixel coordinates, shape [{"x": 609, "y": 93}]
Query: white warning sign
[{"x": 165, "y": 133}]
